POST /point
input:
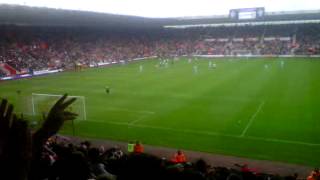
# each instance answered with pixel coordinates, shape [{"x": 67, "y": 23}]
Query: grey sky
[{"x": 170, "y": 8}]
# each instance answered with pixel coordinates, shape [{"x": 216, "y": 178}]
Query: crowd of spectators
[
  {"x": 314, "y": 175},
  {"x": 42, "y": 155},
  {"x": 308, "y": 39},
  {"x": 2, "y": 74},
  {"x": 38, "y": 48}
]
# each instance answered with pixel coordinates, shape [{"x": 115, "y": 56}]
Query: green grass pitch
[{"x": 253, "y": 108}]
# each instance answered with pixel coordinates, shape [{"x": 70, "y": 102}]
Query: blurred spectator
[
  {"x": 138, "y": 148},
  {"x": 179, "y": 157},
  {"x": 96, "y": 164},
  {"x": 314, "y": 175},
  {"x": 130, "y": 147}
]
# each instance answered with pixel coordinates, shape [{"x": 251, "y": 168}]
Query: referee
[{"x": 107, "y": 89}]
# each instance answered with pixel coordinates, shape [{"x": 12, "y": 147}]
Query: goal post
[{"x": 42, "y": 103}]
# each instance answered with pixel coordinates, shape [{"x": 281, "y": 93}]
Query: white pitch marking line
[
  {"x": 137, "y": 120},
  {"x": 131, "y": 111},
  {"x": 281, "y": 141},
  {"x": 212, "y": 133},
  {"x": 252, "y": 119}
]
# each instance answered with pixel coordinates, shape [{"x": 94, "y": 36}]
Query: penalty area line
[
  {"x": 252, "y": 119},
  {"x": 137, "y": 120}
]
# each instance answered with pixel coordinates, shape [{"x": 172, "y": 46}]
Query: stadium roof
[
  {"x": 169, "y": 8},
  {"x": 24, "y": 15}
]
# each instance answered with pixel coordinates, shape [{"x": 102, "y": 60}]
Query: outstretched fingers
[
  {"x": 68, "y": 102},
  {"x": 60, "y": 101},
  {"x": 69, "y": 115}
]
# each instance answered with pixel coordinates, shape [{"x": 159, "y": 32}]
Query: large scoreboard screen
[{"x": 246, "y": 14}]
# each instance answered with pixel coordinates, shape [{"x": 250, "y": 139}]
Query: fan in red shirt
[
  {"x": 179, "y": 157},
  {"x": 138, "y": 148}
]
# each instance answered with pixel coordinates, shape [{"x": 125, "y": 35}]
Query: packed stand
[
  {"x": 36, "y": 48},
  {"x": 308, "y": 40}
]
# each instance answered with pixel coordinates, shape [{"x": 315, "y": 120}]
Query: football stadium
[{"x": 98, "y": 95}]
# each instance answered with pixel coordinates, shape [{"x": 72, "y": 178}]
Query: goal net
[{"x": 42, "y": 103}]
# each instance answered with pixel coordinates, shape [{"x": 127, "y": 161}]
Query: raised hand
[
  {"x": 53, "y": 122},
  {"x": 58, "y": 115},
  {"x": 17, "y": 147}
]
